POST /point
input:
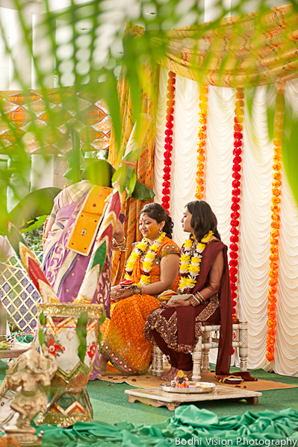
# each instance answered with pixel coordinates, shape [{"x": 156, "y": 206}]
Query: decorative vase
[{"x": 71, "y": 333}]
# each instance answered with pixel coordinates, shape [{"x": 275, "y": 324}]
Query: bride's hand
[{"x": 179, "y": 303}]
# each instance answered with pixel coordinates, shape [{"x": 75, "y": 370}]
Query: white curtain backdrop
[{"x": 256, "y": 192}]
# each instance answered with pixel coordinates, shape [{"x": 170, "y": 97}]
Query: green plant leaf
[
  {"x": 98, "y": 258},
  {"x": 133, "y": 156},
  {"x": 142, "y": 192},
  {"x": 132, "y": 182},
  {"x": 100, "y": 336},
  {"x": 42, "y": 329},
  {"x": 81, "y": 330},
  {"x": 249, "y": 99},
  {"x": 35, "y": 224},
  {"x": 37, "y": 203},
  {"x": 74, "y": 158},
  {"x": 15, "y": 237},
  {"x": 270, "y": 111},
  {"x": 289, "y": 148}
]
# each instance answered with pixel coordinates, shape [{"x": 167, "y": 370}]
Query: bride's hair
[
  {"x": 203, "y": 219},
  {"x": 158, "y": 213}
]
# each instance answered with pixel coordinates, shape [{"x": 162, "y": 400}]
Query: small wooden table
[{"x": 158, "y": 398}]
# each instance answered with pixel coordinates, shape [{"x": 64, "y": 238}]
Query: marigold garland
[
  {"x": 235, "y": 207},
  {"x": 202, "y": 142},
  {"x": 140, "y": 248},
  {"x": 166, "y": 185},
  {"x": 190, "y": 266},
  {"x": 275, "y": 225}
]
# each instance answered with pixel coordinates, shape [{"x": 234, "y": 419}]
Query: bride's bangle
[{"x": 120, "y": 246}]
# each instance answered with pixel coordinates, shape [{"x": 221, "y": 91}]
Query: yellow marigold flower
[
  {"x": 127, "y": 276},
  {"x": 195, "y": 260},
  {"x": 130, "y": 264},
  {"x": 147, "y": 265},
  {"x": 134, "y": 256},
  {"x": 201, "y": 246},
  {"x": 154, "y": 247},
  {"x": 142, "y": 246},
  {"x": 207, "y": 237},
  {"x": 183, "y": 268},
  {"x": 194, "y": 269},
  {"x": 145, "y": 279},
  {"x": 188, "y": 243},
  {"x": 182, "y": 283},
  {"x": 190, "y": 282},
  {"x": 161, "y": 237},
  {"x": 185, "y": 259},
  {"x": 150, "y": 255}
]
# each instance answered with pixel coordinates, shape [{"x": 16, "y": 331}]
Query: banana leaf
[{"x": 36, "y": 204}]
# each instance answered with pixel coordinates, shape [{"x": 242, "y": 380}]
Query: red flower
[
  {"x": 53, "y": 347},
  {"x": 235, "y": 231},
  {"x": 234, "y": 247},
  {"x": 233, "y": 271},
  {"x": 234, "y": 223},
  {"x": 236, "y": 168},
  {"x": 236, "y": 175},
  {"x": 92, "y": 350},
  {"x": 234, "y": 238},
  {"x": 235, "y": 183}
]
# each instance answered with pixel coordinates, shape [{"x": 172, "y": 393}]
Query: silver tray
[{"x": 194, "y": 387}]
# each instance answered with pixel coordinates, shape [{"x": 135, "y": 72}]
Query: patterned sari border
[{"x": 119, "y": 362}]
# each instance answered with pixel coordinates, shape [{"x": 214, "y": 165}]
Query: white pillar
[{"x": 42, "y": 171}]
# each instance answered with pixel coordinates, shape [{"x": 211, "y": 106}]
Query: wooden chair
[{"x": 208, "y": 340}]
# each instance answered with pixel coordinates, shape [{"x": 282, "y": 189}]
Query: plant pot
[{"x": 75, "y": 346}]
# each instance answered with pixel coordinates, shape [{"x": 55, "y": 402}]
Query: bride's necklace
[
  {"x": 190, "y": 266},
  {"x": 138, "y": 251}
]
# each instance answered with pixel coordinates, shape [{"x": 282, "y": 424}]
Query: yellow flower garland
[
  {"x": 190, "y": 266},
  {"x": 140, "y": 248}
]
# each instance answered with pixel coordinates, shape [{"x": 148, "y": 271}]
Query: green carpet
[
  {"x": 110, "y": 403},
  {"x": 110, "y": 399}
]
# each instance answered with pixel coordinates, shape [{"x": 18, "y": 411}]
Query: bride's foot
[
  {"x": 170, "y": 374},
  {"x": 102, "y": 364}
]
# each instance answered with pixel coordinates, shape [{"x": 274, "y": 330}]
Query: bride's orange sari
[{"x": 123, "y": 340}]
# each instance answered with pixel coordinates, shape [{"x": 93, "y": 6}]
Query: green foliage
[
  {"x": 81, "y": 331},
  {"x": 37, "y": 204},
  {"x": 42, "y": 329},
  {"x": 34, "y": 239},
  {"x": 289, "y": 142},
  {"x": 98, "y": 258},
  {"x": 100, "y": 336}
]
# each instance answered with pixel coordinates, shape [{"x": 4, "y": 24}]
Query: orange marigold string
[
  {"x": 200, "y": 179},
  {"x": 235, "y": 207},
  {"x": 275, "y": 225},
  {"x": 166, "y": 185}
]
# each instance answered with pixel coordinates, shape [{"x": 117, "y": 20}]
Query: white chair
[{"x": 208, "y": 340}]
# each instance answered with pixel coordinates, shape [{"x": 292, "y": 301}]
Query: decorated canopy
[{"x": 21, "y": 110}]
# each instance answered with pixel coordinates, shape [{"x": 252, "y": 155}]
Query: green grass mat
[{"x": 110, "y": 403}]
